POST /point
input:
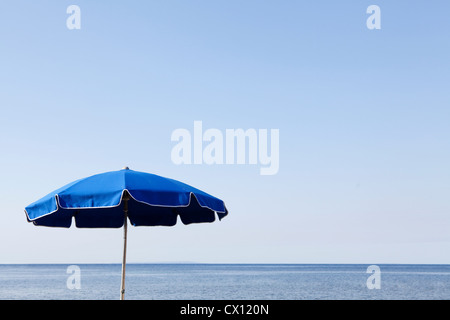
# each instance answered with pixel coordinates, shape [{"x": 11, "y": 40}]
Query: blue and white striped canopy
[{"x": 96, "y": 202}]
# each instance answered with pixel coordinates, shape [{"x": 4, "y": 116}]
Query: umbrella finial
[{"x": 125, "y": 168}]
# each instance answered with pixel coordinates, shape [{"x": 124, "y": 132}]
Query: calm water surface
[{"x": 225, "y": 281}]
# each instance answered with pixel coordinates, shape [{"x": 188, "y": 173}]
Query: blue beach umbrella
[{"x": 108, "y": 200}]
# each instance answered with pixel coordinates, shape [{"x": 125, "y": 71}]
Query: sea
[{"x": 193, "y": 281}]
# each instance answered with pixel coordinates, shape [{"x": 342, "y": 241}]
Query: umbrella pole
[{"x": 122, "y": 286}]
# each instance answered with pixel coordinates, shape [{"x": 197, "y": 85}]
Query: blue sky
[{"x": 363, "y": 117}]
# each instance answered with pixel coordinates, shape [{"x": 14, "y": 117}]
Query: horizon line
[{"x": 219, "y": 263}]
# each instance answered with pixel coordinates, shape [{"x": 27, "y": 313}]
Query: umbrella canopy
[
  {"x": 108, "y": 200},
  {"x": 95, "y": 202}
]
